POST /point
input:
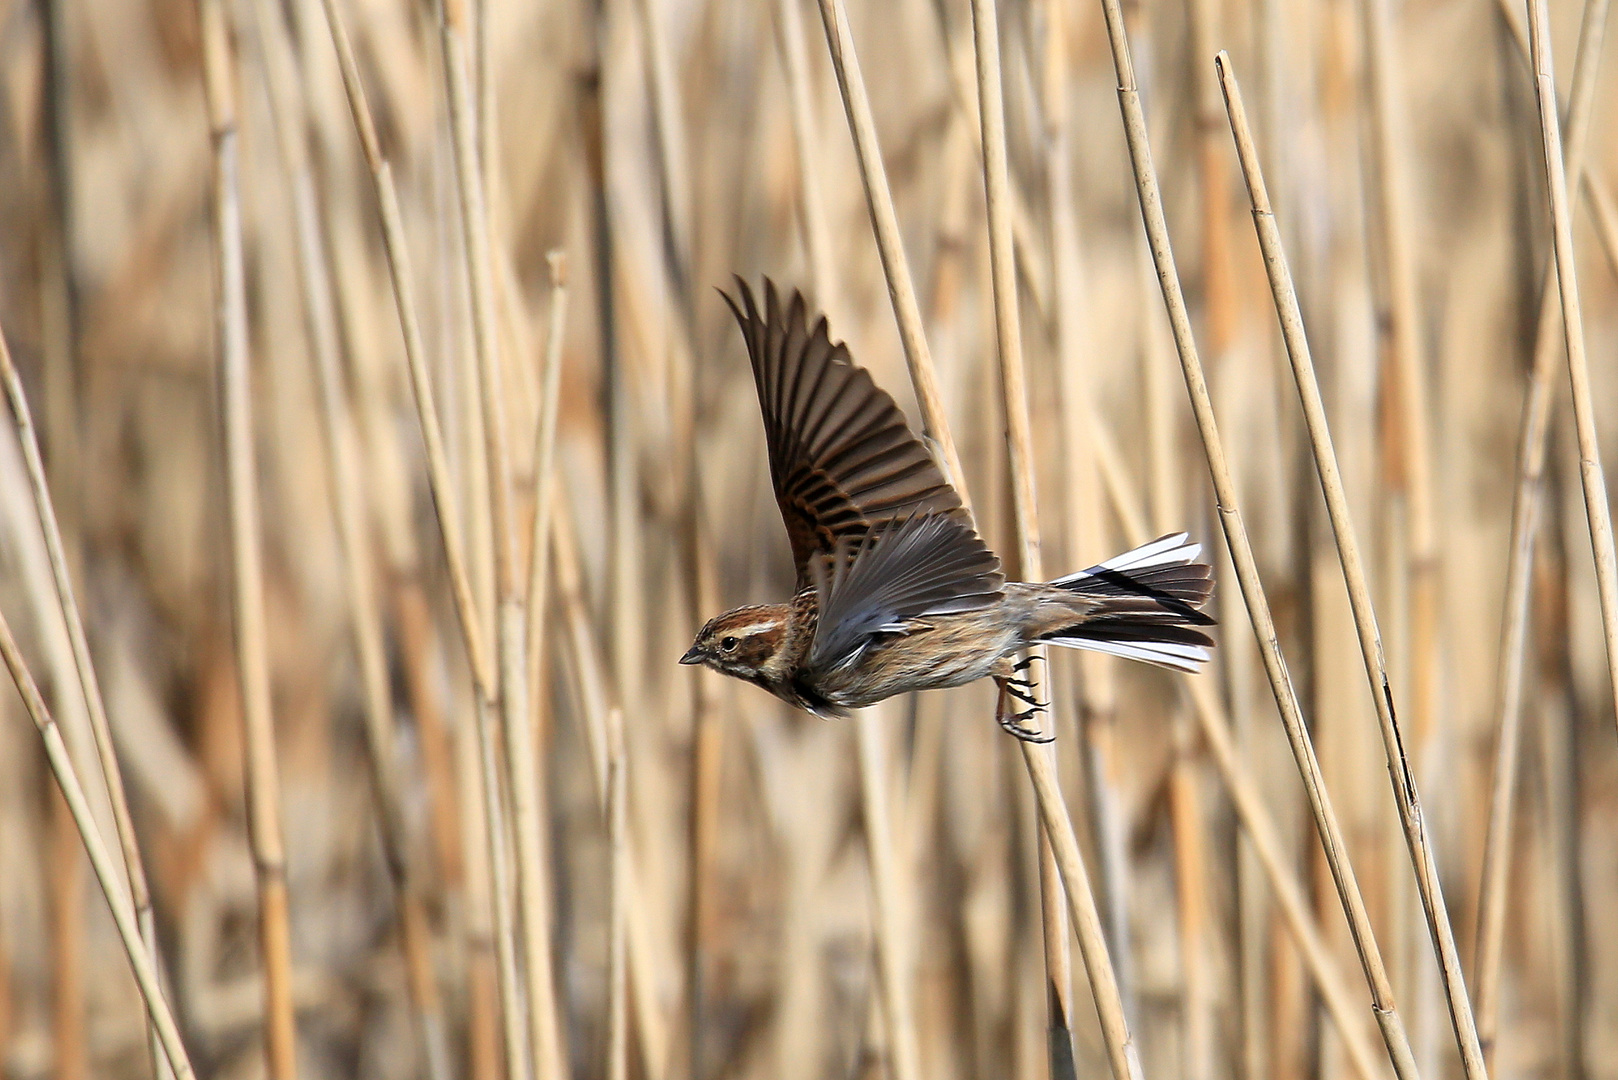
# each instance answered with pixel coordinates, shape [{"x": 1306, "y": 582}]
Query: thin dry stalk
[
  {"x": 106, "y": 871},
  {"x": 1331, "y": 834},
  {"x": 890, "y": 245},
  {"x": 89, "y": 683},
  {"x": 594, "y": 690},
  {"x": 1410, "y": 444},
  {"x": 1597, "y": 512},
  {"x": 445, "y": 504},
  {"x": 1604, "y": 208},
  {"x": 512, "y": 623},
  {"x": 354, "y": 550},
  {"x": 669, "y": 134},
  {"x": 817, "y": 244},
  {"x": 1531, "y": 451},
  {"x": 548, "y": 1051},
  {"x": 1259, "y": 825},
  {"x": 892, "y": 956},
  {"x": 1314, "y": 412},
  {"x": 904, "y": 1054},
  {"x": 617, "y": 861},
  {"x": 247, "y": 569},
  {"x": 1019, "y": 438},
  {"x": 1085, "y": 517},
  {"x": 65, "y": 868}
]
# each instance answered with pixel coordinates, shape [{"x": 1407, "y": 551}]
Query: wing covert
[{"x": 905, "y": 569}]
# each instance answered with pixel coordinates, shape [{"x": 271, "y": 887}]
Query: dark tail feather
[{"x": 1150, "y": 602}]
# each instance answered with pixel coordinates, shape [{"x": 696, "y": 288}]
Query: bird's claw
[
  {"x": 1018, "y": 688},
  {"x": 1013, "y": 725},
  {"x": 1028, "y": 662}
]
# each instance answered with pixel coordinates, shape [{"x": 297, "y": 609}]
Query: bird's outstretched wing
[
  {"x": 900, "y": 573},
  {"x": 842, "y": 460}
]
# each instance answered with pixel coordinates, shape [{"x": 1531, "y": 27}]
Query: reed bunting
[{"x": 895, "y": 589}]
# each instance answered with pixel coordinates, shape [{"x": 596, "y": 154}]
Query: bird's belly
[{"x": 923, "y": 661}]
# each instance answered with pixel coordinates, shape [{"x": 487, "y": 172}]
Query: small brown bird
[{"x": 895, "y": 590}]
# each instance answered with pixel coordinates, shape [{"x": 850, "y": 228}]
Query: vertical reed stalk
[
  {"x": 511, "y": 625},
  {"x": 1399, "y": 326},
  {"x": 549, "y": 1054},
  {"x": 1260, "y": 828},
  {"x": 817, "y": 243},
  {"x": 617, "y": 860},
  {"x": 354, "y": 549},
  {"x": 252, "y": 659},
  {"x": 594, "y": 691},
  {"x": 1314, "y": 411},
  {"x": 1597, "y": 512},
  {"x": 1085, "y": 517},
  {"x": 106, "y": 871},
  {"x": 1019, "y": 438},
  {"x": 892, "y": 955},
  {"x": 890, "y": 245},
  {"x": 1151, "y": 204},
  {"x": 444, "y": 501},
  {"x": 904, "y": 1054},
  {"x": 69, "y": 1039},
  {"x": 1525, "y": 511},
  {"x": 1604, "y": 208}
]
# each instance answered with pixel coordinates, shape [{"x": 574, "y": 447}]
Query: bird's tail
[{"x": 1148, "y": 605}]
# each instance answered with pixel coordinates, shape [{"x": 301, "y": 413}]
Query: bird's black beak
[{"x": 693, "y": 655}]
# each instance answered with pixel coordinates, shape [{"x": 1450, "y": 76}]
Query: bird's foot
[{"x": 1028, "y": 662}]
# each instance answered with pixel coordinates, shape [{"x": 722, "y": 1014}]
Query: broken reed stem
[
  {"x": 890, "y": 245},
  {"x": 1597, "y": 512},
  {"x": 1531, "y": 451},
  {"x": 252, "y": 658},
  {"x": 445, "y": 505},
  {"x": 288, "y": 108},
  {"x": 89, "y": 683},
  {"x": 1314, "y": 411},
  {"x": 542, "y": 1014},
  {"x": 1241, "y": 549},
  {"x": 106, "y": 871},
  {"x": 1025, "y": 509}
]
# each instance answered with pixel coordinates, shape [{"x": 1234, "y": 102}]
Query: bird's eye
[{"x": 728, "y": 644}]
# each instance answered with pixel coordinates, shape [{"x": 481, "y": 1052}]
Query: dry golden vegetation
[{"x": 379, "y": 441}]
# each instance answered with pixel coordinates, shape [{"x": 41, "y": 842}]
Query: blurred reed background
[{"x": 309, "y": 700}]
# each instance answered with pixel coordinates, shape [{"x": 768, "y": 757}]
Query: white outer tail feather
[
  {"x": 1169, "y": 654},
  {"x": 1164, "y": 551},
  {"x": 1169, "y": 550}
]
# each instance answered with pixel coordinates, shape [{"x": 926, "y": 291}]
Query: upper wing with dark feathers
[
  {"x": 842, "y": 459},
  {"x": 902, "y": 571}
]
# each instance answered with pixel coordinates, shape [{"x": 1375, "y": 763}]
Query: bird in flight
[{"x": 895, "y": 590}]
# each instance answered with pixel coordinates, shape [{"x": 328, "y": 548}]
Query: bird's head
[{"x": 746, "y": 643}]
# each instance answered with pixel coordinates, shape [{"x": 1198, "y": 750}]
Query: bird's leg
[{"x": 1014, "y": 723}]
